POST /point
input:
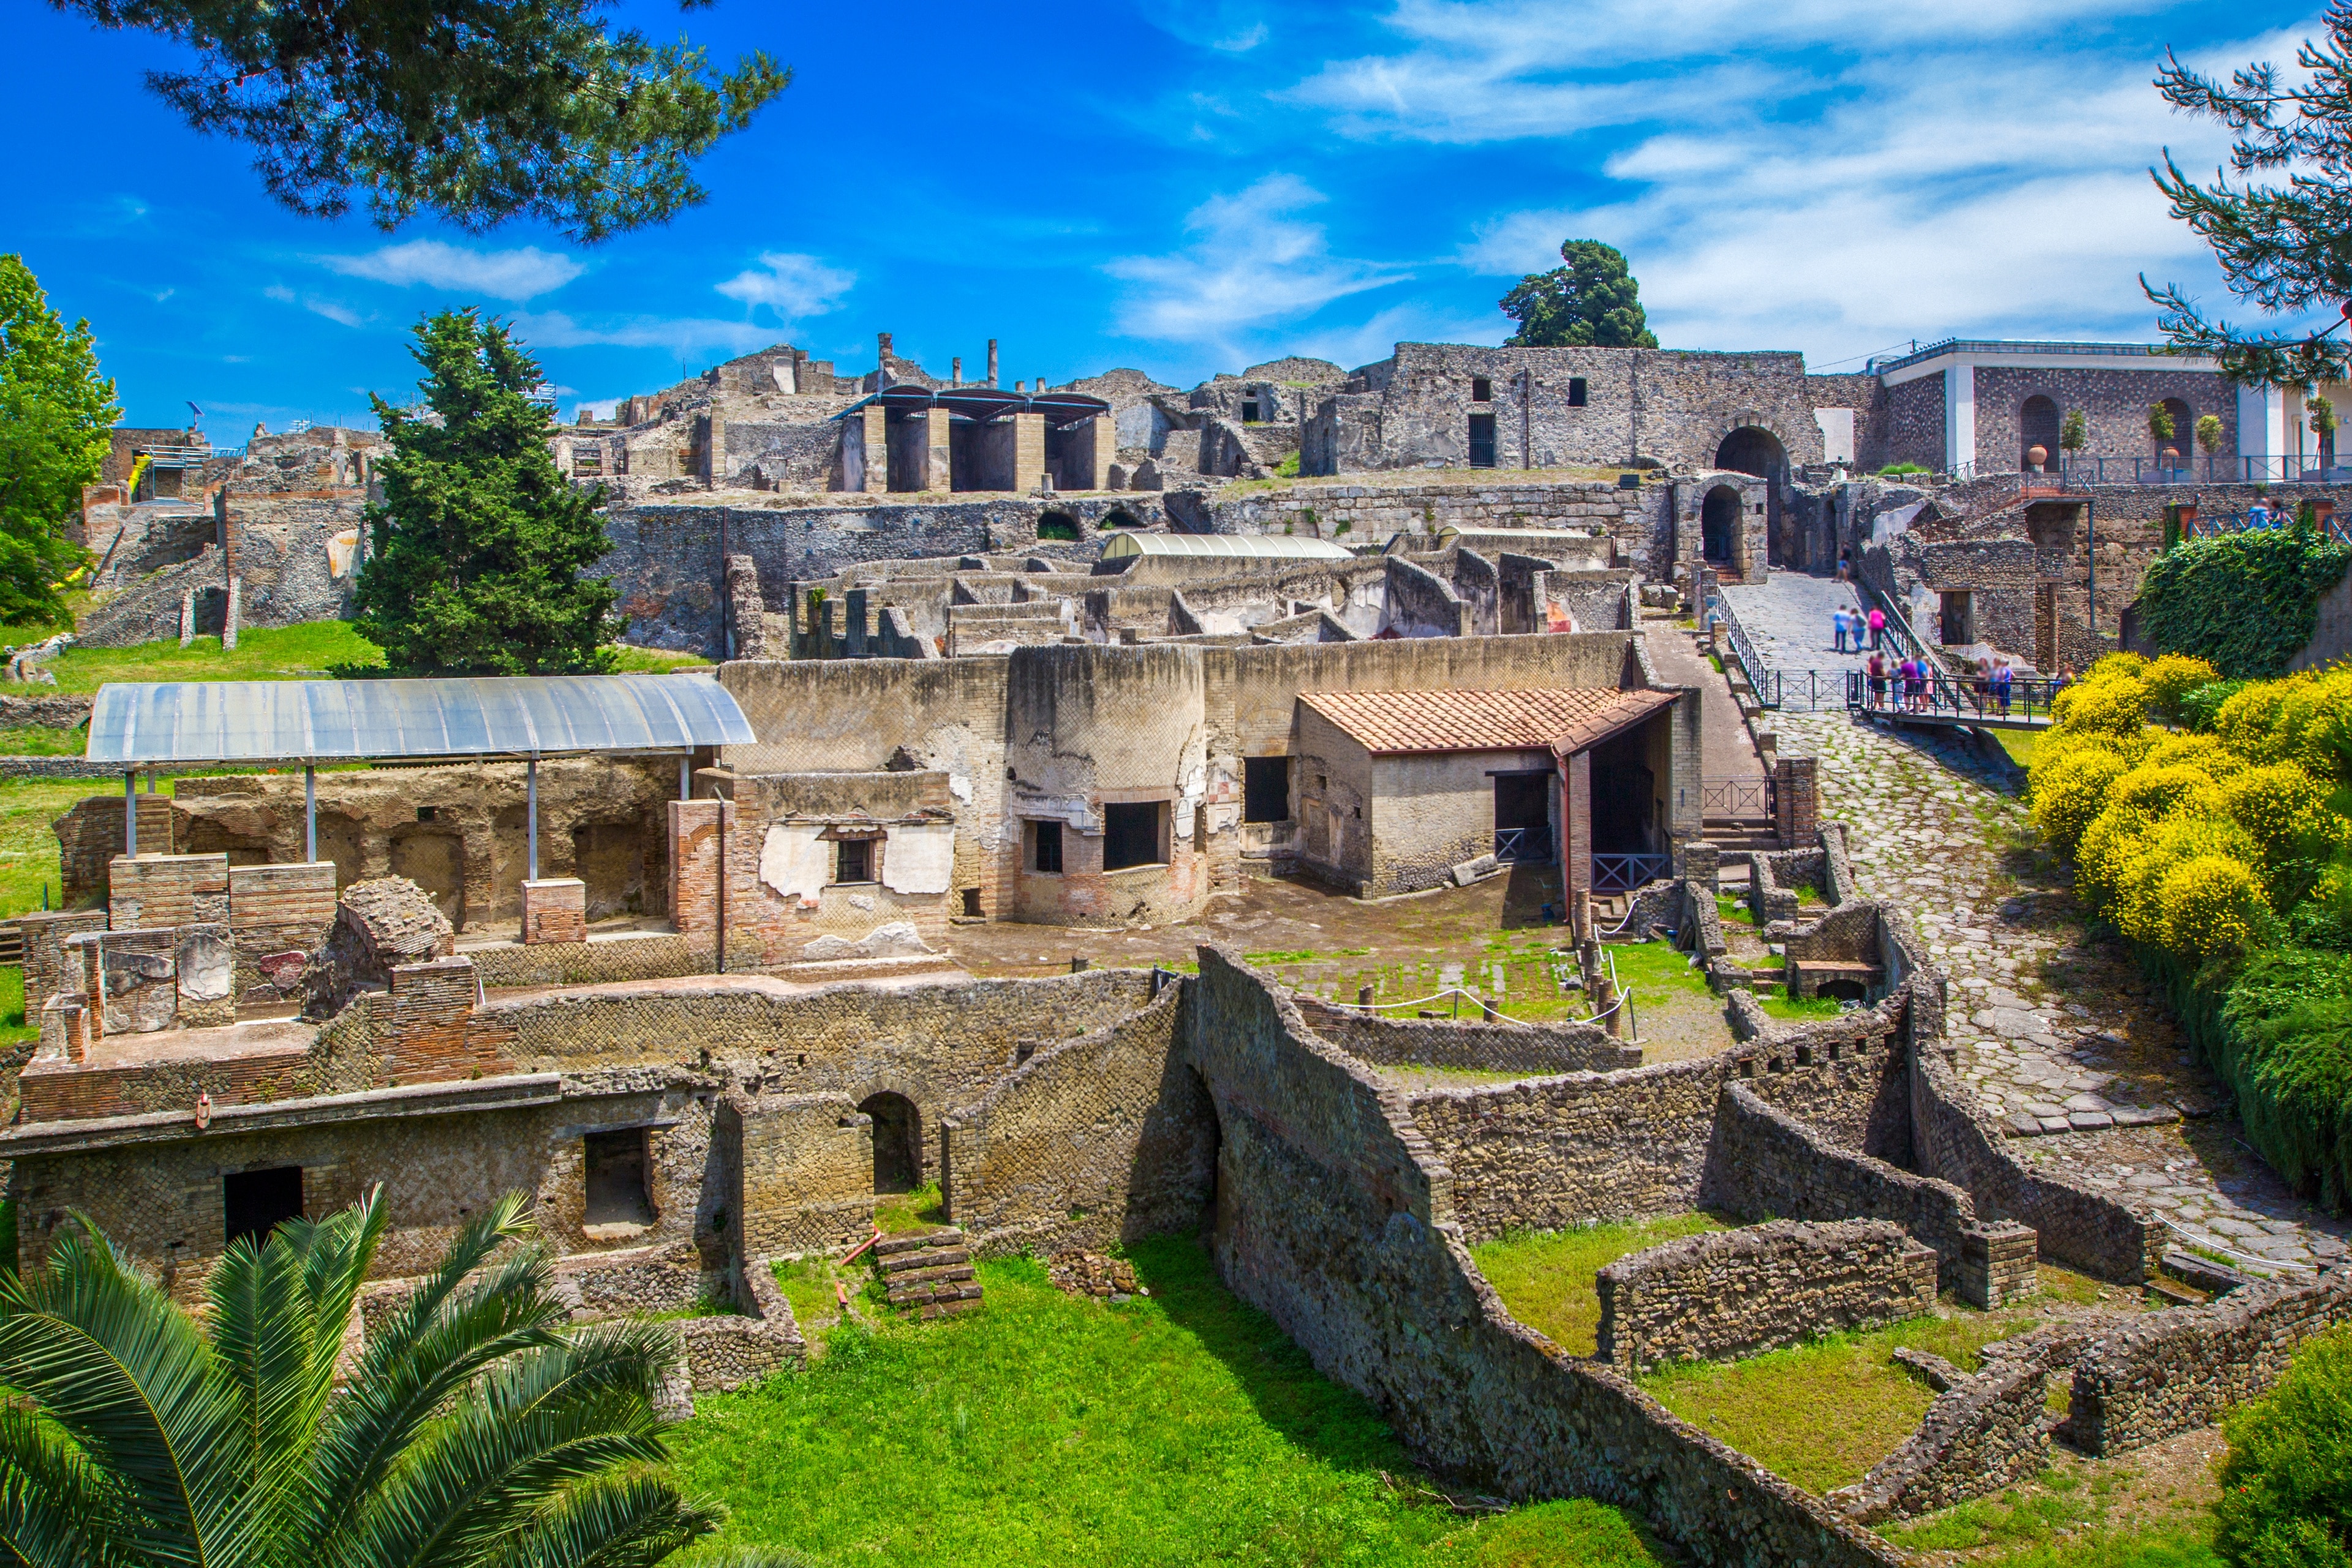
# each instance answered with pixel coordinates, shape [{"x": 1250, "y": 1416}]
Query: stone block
[{"x": 555, "y": 909}]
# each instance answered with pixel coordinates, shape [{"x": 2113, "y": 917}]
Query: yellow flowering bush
[
  {"x": 2173, "y": 677},
  {"x": 2210, "y": 905}
]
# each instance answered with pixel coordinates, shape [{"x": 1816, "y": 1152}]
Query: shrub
[
  {"x": 2287, "y": 1487},
  {"x": 2245, "y": 603},
  {"x": 2069, "y": 795},
  {"x": 2210, "y": 905},
  {"x": 2173, "y": 677}
]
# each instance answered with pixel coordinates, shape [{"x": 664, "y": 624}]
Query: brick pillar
[
  {"x": 876, "y": 426},
  {"x": 1576, "y": 827},
  {"x": 555, "y": 909},
  {"x": 1028, "y": 452},
  {"x": 1797, "y": 800}
]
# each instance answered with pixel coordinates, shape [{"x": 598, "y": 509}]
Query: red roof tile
[{"x": 1566, "y": 718}]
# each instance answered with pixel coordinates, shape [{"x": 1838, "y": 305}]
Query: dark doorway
[
  {"x": 1482, "y": 440},
  {"x": 2037, "y": 425},
  {"x": 1718, "y": 523},
  {"x": 1265, "y": 789},
  {"x": 617, "y": 1192},
  {"x": 1523, "y": 817},
  {"x": 1131, "y": 834},
  {"x": 897, "y": 1143},
  {"x": 255, "y": 1202}
]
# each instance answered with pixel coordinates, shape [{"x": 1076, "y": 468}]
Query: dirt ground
[{"x": 1489, "y": 940}]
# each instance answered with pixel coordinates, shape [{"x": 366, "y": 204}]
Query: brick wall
[{"x": 1740, "y": 1293}]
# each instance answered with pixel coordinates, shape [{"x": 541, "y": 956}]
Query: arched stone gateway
[
  {"x": 1719, "y": 525},
  {"x": 897, "y": 1142},
  {"x": 1752, "y": 449}
]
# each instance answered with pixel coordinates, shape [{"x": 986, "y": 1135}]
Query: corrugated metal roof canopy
[
  {"x": 1264, "y": 546},
  {"x": 283, "y": 722}
]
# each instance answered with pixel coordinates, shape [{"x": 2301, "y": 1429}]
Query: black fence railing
[
  {"x": 1517, "y": 843},
  {"x": 1978, "y": 698},
  {"x": 1748, "y": 794},
  {"x": 1762, "y": 679},
  {"x": 1623, "y": 873}
]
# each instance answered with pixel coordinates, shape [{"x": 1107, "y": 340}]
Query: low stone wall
[
  {"x": 1762, "y": 1160},
  {"x": 1743, "y": 1291},
  {"x": 2173, "y": 1371},
  {"x": 1980, "y": 1434},
  {"x": 1485, "y": 1047}
]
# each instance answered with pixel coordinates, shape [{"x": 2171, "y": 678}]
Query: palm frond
[
  {"x": 124, "y": 1374},
  {"x": 56, "y": 1509}
]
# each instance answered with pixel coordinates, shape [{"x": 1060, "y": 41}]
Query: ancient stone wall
[
  {"x": 2171, "y": 1371},
  {"x": 1089, "y": 1142},
  {"x": 1334, "y": 1217},
  {"x": 1741, "y": 1293}
]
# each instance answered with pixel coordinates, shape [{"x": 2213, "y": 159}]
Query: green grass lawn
[
  {"x": 1546, "y": 1276},
  {"x": 1179, "y": 1428}
]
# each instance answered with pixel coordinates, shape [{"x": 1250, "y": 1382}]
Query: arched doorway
[
  {"x": 1718, "y": 525},
  {"x": 2183, "y": 436},
  {"x": 1752, "y": 450},
  {"x": 2037, "y": 425},
  {"x": 897, "y": 1142}
]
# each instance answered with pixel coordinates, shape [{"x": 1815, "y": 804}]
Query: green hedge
[
  {"x": 2278, "y": 1032},
  {"x": 2245, "y": 602}
]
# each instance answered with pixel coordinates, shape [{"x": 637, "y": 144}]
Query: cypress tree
[{"x": 479, "y": 550}]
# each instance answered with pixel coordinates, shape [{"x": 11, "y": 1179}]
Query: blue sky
[{"x": 1190, "y": 187}]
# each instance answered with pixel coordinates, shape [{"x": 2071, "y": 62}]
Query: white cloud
[
  {"x": 1252, "y": 263},
  {"x": 680, "y": 335},
  {"x": 520, "y": 274},
  {"x": 794, "y": 287}
]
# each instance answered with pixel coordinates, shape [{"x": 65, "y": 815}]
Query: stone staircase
[{"x": 928, "y": 1273}]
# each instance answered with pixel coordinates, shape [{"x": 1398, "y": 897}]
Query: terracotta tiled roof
[{"x": 1566, "y": 719}]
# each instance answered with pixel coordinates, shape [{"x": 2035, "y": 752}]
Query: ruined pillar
[
  {"x": 991, "y": 361},
  {"x": 874, "y": 442},
  {"x": 939, "y": 469},
  {"x": 1028, "y": 452}
]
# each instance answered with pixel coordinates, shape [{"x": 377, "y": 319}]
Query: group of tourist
[{"x": 1849, "y": 626}]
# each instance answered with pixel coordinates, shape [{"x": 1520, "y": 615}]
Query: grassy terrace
[{"x": 1178, "y": 1427}]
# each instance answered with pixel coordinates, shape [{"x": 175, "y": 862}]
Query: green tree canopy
[
  {"x": 479, "y": 110},
  {"x": 478, "y": 550},
  {"x": 475, "y": 1430},
  {"x": 1592, "y": 302},
  {"x": 2278, "y": 218},
  {"x": 54, "y": 413}
]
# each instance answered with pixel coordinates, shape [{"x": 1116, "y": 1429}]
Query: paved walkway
[
  {"x": 1728, "y": 751},
  {"x": 2058, "y": 1032}
]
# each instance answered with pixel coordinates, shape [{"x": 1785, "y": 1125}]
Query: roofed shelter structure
[
  {"x": 1398, "y": 789},
  {"x": 174, "y": 726}
]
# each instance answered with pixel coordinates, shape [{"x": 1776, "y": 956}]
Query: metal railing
[
  {"x": 1974, "y": 698},
  {"x": 1623, "y": 873},
  {"x": 1748, "y": 795},
  {"x": 1520, "y": 844},
  {"x": 1762, "y": 679}
]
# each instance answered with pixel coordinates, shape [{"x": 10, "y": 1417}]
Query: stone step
[{"x": 924, "y": 1257}]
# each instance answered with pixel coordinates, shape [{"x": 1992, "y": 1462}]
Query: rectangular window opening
[
  {"x": 617, "y": 1191},
  {"x": 255, "y": 1202},
  {"x": 1481, "y": 390},
  {"x": 1265, "y": 789},
  {"x": 1046, "y": 846},
  {"x": 854, "y": 860},
  {"x": 1575, "y": 392},
  {"x": 1131, "y": 834}
]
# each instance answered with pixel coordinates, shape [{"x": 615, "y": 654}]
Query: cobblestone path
[{"x": 2066, "y": 1043}]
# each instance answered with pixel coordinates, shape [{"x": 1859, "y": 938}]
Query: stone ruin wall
[{"x": 1741, "y": 1293}]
